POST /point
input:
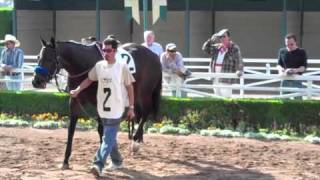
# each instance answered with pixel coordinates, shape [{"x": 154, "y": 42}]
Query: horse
[{"x": 78, "y": 59}]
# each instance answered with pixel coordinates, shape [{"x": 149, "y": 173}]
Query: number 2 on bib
[{"x": 108, "y": 92}]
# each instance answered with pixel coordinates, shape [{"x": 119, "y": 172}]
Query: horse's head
[{"x": 48, "y": 64}]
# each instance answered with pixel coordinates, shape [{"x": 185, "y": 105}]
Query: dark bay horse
[{"x": 78, "y": 59}]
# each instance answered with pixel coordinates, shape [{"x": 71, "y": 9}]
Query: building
[{"x": 258, "y": 26}]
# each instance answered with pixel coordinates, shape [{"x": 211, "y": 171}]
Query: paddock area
[{"x": 28, "y": 153}]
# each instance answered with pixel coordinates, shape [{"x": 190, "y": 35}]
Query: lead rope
[
  {"x": 130, "y": 132},
  {"x": 81, "y": 107}
]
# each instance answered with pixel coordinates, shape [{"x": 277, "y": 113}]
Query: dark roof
[{"x": 176, "y": 5}]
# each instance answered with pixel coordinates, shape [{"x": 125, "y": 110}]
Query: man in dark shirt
[{"x": 291, "y": 60}]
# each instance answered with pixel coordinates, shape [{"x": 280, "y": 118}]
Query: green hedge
[
  {"x": 33, "y": 102},
  {"x": 299, "y": 116},
  {"x": 197, "y": 113},
  {"x": 5, "y": 22}
]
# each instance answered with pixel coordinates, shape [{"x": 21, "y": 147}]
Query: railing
[{"x": 260, "y": 79}]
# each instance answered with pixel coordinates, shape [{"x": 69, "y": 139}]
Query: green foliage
[
  {"x": 124, "y": 126},
  {"x": 168, "y": 129},
  {"x": 244, "y": 115},
  {"x": 153, "y": 130},
  {"x": 5, "y": 21},
  {"x": 47, "y": 125},
  {"x": 14, "y": 123}
]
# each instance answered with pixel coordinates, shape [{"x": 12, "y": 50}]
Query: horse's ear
[
  {"x": 53, "y": 42},
  {"x": 43, "y": 42}
]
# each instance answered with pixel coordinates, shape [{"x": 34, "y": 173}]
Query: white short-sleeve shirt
[{"x": 111, "y": 81}]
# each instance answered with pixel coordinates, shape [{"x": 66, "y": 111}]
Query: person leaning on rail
[
  {"x": 12, "y": 58},
  {"x": 291, "y": 60}
]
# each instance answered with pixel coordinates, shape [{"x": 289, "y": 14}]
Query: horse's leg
[
  {"x": 134, "y": 144},
  {"x": 72, "y": 126},
  {"x": 146, "y": 108},
  {"x": 138, "y": 119},
  {"x": 71, "y": 129}
]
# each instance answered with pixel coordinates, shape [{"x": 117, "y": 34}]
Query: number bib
[
  {"x": 110, "y": 100},
  {"x": 126, "y": 57}
]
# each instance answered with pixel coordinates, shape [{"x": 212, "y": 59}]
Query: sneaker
[
  {"x": 96, "y": 170},
  {"x": 112, "y": 166}
]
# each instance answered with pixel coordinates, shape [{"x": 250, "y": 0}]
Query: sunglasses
[
  {"x": 172, "y": 51},
  {"x": 107, "y": 50}
]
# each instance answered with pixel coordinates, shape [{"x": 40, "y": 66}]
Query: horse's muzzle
[{"x": 38, "y": 84}]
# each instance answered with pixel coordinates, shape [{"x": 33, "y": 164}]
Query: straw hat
[{"x": 9, "y": 37}]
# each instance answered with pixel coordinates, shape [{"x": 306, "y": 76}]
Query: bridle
[{"x": 58, "y": 66}]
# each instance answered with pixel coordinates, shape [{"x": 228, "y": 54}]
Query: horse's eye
[{"x": 38, "y": 57}]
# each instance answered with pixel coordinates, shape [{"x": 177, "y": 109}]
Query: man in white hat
[
  {"x": 11, "y": 58},
  {"x": 226, "y": 58},
  {"x": 173, "y": 69}
]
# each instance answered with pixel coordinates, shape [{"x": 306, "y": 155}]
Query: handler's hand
[
  {"x": 74, "y": 93},
  {"x": 7, "y": 68},
  {"x": 130, "y": 114}
]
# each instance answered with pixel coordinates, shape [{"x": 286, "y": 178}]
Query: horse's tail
[{"x": 156, "y": 98}]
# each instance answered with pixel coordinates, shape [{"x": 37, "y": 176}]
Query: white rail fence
[{"x": 260, "y": 79}]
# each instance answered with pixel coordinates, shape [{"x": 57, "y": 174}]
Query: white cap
[
  {"x": 222, "y": 32},
  {"x": 171, "y": 47}
]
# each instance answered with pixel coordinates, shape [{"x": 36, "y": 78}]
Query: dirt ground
[{"x": 27, "y": 153}]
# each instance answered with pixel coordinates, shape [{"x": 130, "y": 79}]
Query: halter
[{"x": 45, "y": 71}]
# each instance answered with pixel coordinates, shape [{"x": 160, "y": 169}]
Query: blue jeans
[
  {"x": 108, "y": 146},
  {"x": 14, "y": 86},
  {"x": 291, "y": 84}
]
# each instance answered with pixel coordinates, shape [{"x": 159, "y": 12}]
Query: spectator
[
  {"x": 149, "y": 42},
  {"x": 11, "y": 59},
  {"x": 88, "y": 40},
  {"x": 291, "y": 60},
  {"x": 111, "y": 75},
  {"x": 173, "y": 68},
  {"x": 226, "y": 58}
]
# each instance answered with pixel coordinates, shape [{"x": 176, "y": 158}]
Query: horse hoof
[
  {"x": 65, "y": 166},
  {"x": 135, "y": 147}
]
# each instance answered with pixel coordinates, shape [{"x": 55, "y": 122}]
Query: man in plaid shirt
[{"x": 226, "y": 58}]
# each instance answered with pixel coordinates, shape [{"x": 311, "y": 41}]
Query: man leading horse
[{"x": 111, "y": 75}]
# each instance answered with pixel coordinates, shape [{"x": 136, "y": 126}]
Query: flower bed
[{"x": 54, "y": 121}]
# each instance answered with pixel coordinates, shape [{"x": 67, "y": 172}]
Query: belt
[{"x": 218, "y": 64}]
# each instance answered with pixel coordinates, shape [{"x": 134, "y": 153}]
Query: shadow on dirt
[{"x": 211, "y": 170}]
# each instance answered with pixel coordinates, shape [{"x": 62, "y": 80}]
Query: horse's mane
[{"x": 73, "y": 42}]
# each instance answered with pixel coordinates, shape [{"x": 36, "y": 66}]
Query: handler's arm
[
  {"x": 84, "y": 84},
  {"x": 128, "y": 79},
  {"x": 130, "y": 91}
]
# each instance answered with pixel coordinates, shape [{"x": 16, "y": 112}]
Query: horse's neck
[{"x": 76, "y": 58}]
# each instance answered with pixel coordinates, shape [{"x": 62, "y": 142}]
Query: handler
[{"x": 112, "y": 77}]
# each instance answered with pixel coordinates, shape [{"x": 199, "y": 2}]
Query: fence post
[
  {"x": 268, "y": 69},
  {"x": 178, "y": 91},
  {"x": 309, "y": 87},
  {"x": 241, "y": 86},
  {"x": 22, "y": 83}
]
